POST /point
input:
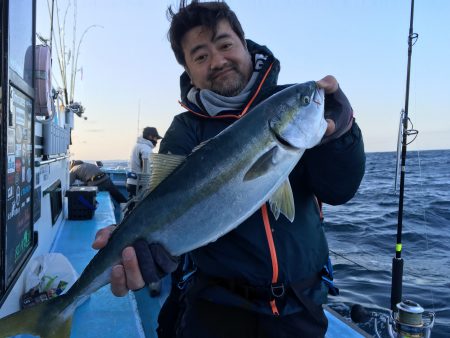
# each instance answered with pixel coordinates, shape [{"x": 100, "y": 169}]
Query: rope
[
  {"x": 350, "y": 260},
  {"x": 425, "y": 223}
]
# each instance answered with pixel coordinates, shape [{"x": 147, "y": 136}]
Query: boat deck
[{"x": 135, "y": 315}]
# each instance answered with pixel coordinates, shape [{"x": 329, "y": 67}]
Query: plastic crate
[{"x": 82, "y": 203}]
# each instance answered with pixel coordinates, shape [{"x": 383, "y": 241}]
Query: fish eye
[{"x": 305, "y": 99}]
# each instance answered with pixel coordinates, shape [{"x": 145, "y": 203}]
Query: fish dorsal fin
[
  {"x": 162, "y": 165},
  {"x": 282, "y": 201},
  {"x": 262, "y": 165}
]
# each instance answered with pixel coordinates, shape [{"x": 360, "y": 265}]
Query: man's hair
[
  {"x": 73, "y": 163},
  {"x": 148, "y": 132},
  {"x": 196, "y": 14}
]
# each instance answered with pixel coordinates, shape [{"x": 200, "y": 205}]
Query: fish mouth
[{"x": 318, "y": 96}]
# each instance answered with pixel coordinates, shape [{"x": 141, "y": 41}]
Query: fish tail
[{"x": 51, "y": 319}]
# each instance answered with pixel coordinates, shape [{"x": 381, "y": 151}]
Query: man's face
[
  {"x": 219, "y": 62},
  {"x": 152, "y": 138}
]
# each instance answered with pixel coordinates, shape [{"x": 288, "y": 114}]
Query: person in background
[
  {"x": 141, "y": 150},
  {"x": 91, "y": 175},
  {"x": 268, "y": 277}
]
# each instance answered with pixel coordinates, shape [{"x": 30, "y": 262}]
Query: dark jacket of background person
[
  {"x": 88, "y": 173},
  {"x": 91, "y": 175}
]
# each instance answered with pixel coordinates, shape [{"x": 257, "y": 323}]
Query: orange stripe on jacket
[{"x": 273, "y": 253}]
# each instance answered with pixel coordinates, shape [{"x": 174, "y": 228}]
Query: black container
[{"x": 82, "y": 203}]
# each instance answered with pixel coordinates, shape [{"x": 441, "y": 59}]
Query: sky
[{"x": 130, "y": 78}]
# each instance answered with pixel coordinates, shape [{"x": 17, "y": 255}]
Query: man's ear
[{"x": 188, "y": 73}]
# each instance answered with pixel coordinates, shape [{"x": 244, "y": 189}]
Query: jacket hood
[
  {"x": 142, "y": 140},
  {"x": 269, "y": 82}
]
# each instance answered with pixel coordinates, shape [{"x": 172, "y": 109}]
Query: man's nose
[{"x": 218, "y": 61}]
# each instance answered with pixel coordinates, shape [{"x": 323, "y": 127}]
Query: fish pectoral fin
[
  {"x": 282, "y": 201},
  {"x": 262, "y": 165},
  {"x": 162, "y": 165}
]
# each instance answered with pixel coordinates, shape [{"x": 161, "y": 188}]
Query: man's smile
[{"x": 222, "y": 73}]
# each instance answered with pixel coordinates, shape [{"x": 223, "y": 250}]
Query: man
[
  {"x": 263, "y": 279},
  {"x": 91, "y": 175},
  {"x": 141, "y": 150}
]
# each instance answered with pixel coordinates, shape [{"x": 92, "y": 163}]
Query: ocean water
[{"x": 362, "y": 237}]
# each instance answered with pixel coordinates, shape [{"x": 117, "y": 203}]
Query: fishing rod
[
  {"x": 407, "y": 318},
  {"x": 397, "y": 261}
]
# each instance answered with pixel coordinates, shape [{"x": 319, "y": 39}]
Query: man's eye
[
  {"x": 226, "y": 46},
  {"x": 200, "y": 58}
]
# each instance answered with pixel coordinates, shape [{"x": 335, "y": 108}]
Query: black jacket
[{"x": 330, "y": 173}]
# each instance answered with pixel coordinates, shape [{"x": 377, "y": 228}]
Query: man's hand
[
  {"x": 102, "y": 237},
  {"x": 126, "y": 276},
  {"x": 141, "y": 263},
  {"x": 338, "y": 111},
  {"x": 329, "y": 85}
]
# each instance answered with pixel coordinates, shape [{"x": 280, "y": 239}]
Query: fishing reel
[{"x": 410, "y": 321}]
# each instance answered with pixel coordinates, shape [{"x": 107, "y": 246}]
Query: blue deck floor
[
  {"x": 135, "y": 315},
  {"x": 102, "y": 315}
]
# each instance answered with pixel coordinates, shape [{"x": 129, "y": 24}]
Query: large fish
[{"x": 243, "y": 167}]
